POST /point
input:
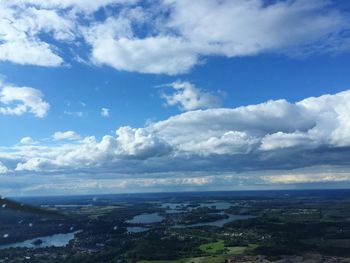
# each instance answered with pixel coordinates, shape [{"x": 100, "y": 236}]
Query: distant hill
[{"x": 8, "y": 204}]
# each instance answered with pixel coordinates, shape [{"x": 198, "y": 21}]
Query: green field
[
  {"x": 213, "y": 247},
  {"x": 209, "y": 259}
]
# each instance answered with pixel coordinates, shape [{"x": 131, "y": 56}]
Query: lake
[
  {"x": 146, "y": 219},
  {"x": 57, "y": 240},
  {"x": 217, "y": 205},
  {"x": 183, "y": 207},
  {"x": 218, "y": 223}
]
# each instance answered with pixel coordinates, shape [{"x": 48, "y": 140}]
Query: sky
[{"x": 119, "y": 96}]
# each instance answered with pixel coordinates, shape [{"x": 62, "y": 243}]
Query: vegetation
[
  {"x": 282, "y": 225},
  {"x": 213, "y": 248}
]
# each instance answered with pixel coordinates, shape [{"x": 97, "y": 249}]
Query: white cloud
[
  {"x": 104, "y": 112},
  {"x": 129, "y": 144},
  {"x": 157, "y": 55},
  {"x": 114, "y": 43},
  {"x": 35, "y": 164},
  {"x": 67, "y": 135},
  {"x": 140, "y": 143},
  {"x": 280, "y": 140},
  {"x": 176, "y": 35},
  {"x": 231, "y": 142},
  {"x": 250, "y": 27},
  {"x": 250, "y": 123},
  {"x": 20, "y": 30},
  {"x": 24, "y": 23},
  {"x": 20, "y": 100},
  {"x": 189, "y": 97},
  {"x": 241, "y": 28},
  {"x": 27, "y": 140},
  {"x": 34, "y": 53}
]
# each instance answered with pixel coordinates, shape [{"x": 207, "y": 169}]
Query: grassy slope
[{"x": 209, "y": 248}]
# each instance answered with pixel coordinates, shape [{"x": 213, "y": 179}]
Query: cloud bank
[
  {"x": 166, "y": 36},
  {"x": 205, "y": 145}
]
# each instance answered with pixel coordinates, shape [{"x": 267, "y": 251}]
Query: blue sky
[{"x": 133, "y": 96}]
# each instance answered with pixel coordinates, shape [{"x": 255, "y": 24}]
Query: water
[
  {"x": 57, "y": 240},
  {"x": 146, "y": 219},
  {"x": 66, "y": 206},
  {"x": 183, "y": 207},
  {"x": 136, "y": 229},
  {"x": 218, "y": 223},
  {"x": 217, "y": 205},
  {"x": 174, "y": 206}
]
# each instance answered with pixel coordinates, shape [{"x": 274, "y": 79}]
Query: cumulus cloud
[
  {"x": 21, "y": 100},
  {"x": 231, "y": 142},
  {"x": 150, "y": 55},
  {"x": 104, "y": 112},
  {"x": 176, "y": 35},
  {"x": 250, "y": 123},
  {"x": 20, "y": 29},
  {"x": 67, "y": 135},
  {"x": 189, "y": 97},
  {"x": 140, "y": 143},
  {"x": 275, "y": 135},
  {"x": 241, "y": 28},
  {"x": 129, "y": 145},
  {"x": 26, "y": 26}
]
